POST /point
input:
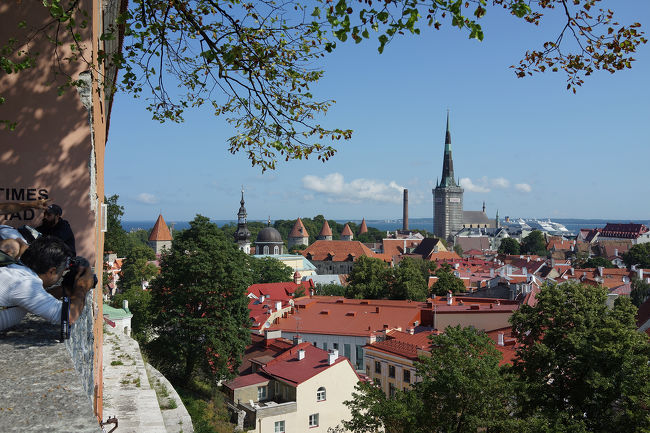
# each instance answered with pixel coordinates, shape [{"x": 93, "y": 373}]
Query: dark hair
[{"x": 46, "y": 252}]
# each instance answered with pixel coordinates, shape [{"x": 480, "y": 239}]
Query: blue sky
[{"x": 527, "y": 147}]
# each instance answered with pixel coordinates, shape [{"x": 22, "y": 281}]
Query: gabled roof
[
  {"x": 160, "y": 231},
  {"x": 288, "y": 368},
  {"x": 336, "y": 251},
  {"x": 298, "y": 230},
  {"x": 630, "y": 230},
  {"x": 326, "y": 230},
  {"x": 364, "y": 228},
  {"x": 427, "y": 246},
  {"x": 475, "y": 217},
  {"x": 404, "y": 344},
  {"x": 346, "y": 231}
]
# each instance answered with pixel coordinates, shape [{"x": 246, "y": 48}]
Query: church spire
[
  {"x": 242, "y": 234},
  {"x": 447, "y": 162}
]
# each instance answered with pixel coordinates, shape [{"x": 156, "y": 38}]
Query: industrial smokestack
[{"x": 405, "y": 218}]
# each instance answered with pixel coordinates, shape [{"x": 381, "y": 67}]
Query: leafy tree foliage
[
  {"x": 447, "y": 281},
  {"x": 534, "y": 243},
  {"x": 458, "y": 250},
  {"x": 461, "y": 390},
  {"x": 640, "y": 292},
  {"x": 581, "y": 364},
  {"x": 330, "y": 290},
  {"x": 139, "y": 305},
  {"x": 596, "y": 262},
  {"x": 136, "y": 269},
  {"x": 408, "y": 281},
  {"x": 509, "y": 246},
  {"x": 254, "y": 62},
  {"x": 200, "y": 304},
  {"x": 270, "y": 270},
  {"x": 115, "y": 238},
  {"x": 368, "y": 279},
  {"x": 639, "y": 255}
]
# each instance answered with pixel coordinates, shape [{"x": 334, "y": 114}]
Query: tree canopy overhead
[{"x": 255, "y": 61}]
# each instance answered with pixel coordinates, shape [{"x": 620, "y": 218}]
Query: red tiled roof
[
  {"x": 160, "y": 231},
  {"x": 364, "y": 228},
  {"x": 337, "y": 251},
  {"x": 299, "y": 230},
  {"x": 560, "y": 245},
  {"x": 404, "y": 344},
  {"x": 246, "y": 380},
  {"x": 395, "y": 247},
  {"x": 444, "y": 255},
  {"x": 339, "y": 316},
  {"x": 630, "y": 230},
  {"x": 260, "y": 347},
  {"x": 288, "y": 368},
  {"x": 346, "y": 231},
  {"x": 326, "y": 230}
]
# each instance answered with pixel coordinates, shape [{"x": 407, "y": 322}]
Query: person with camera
[{"x": 22, "y": 285}]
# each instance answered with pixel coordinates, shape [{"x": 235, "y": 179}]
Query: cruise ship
[{"x": 546, "y": 226}]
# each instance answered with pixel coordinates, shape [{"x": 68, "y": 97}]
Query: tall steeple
[
  {"x": 447, "y": 161},
  {"x": 242, "y": 234}
]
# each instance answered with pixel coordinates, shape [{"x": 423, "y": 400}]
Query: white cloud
[
  {"x": 358, "y": 190},
  {"x": 468, "y": 185},
  {"x": 500, "y": 182},
  {"x": 146, "y": 198},
  {"x": 523, "y": 187}
]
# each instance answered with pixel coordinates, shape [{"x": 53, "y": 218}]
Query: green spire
[{"x": 447, "y": 135}]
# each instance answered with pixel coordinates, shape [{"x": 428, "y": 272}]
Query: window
[
  {"x": 407, "y": 376},
  {"x": 261, "y": 392},
  {"x": 313, "y": 420},
  {"x": 325, "y": 345},
  {"x": 346, "y": 351},
  {"x": 321, "y": 394},
  {"x": 391, "y": 371},
  {"x": 377, "y": 367},
  {"x": 276, "y": 250},
  {"x": 279, "y": 427},
  {"x": 359, "y": 357},
  {"x": 336, "y": 346},
  {"x": 391, "y": 390},
  {"x": 266, "y": 249}
]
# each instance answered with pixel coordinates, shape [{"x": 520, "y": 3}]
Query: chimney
[
  {"x": 377, "y": 310},
  {"x": 297, "y": 339},
  {"x": 500, "y": 341},
  {"x": 491, "y": 272},
  {"x": 405, "y": 217},
  {"x": 278, "y": 306},
  {"x": 262, "y": 298},
  {"x": 125, "y": 302},
  {"x": 332, "y": 356},
  {"x": 524, "y": 271},
  {"x": 616, "y": 252},
  {"x": 410, "y": 330},
  {"x": 527, "y": 259},
  {"x": 301, "y": 355},
  {"x": 573, "y": 271},
  {"x": 450, "y": 299},
  {"x": 639, "y": 272},
  {"x": 601, "y": 270},
  {"x": 296, "y": 277}
]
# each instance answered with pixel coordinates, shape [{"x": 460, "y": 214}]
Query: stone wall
[{"x": 80, "y": 346}]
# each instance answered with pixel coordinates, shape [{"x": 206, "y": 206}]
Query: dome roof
[{"x": 268, "y": 234}]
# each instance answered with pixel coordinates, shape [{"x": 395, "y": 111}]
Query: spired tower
[
  {"x": 447, "y": 197},
  {"x": 243, "y": 235}
]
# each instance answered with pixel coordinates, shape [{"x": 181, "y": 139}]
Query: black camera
[{"x": 73, "y": 267}]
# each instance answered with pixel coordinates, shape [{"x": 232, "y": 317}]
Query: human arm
[
  {"x": 84, "y": 281},
  {"x": 13, "y": 207}
]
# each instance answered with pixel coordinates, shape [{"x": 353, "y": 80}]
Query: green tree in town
[
  {"x": 330, "y": 290},
  {"x": 596, "y": 262},
  {"x": 407, "y": 281},
  {"x": 509, "y": 246},
  {"x": 270, "y": 270},
  {"x": 640, "y": 292},
  {"x": 368, "y": 279},
  {"x": 115, "y": 238},
  {"x": 447, "y": 281},
  {"x": 136, "y": 268},
  {"x": 638, "y": 255},
  {"x": 139, "y": 305},
  {"x": 458, "y": 250},
  {"x": 200, "y": 305},
  {"x": 534, "y": 243},
  {"x": 461, "y": 389},
  {"x": 580, "y": 363}
]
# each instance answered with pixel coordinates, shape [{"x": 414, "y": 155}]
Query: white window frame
[
  {"x": 266, "y": 250},
  {"x": 279, "y": 427},
  {"x": 321, "y": 394},
  {"x": 261, "y": 393},
  {"x": 313, "y": 420}
]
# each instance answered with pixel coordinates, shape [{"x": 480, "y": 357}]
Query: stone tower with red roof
[
  {"x": 298, "y": 235},
  {"x": 364, "y": 228},
  {"x": 325, "y": 233},
  {"x": 160, "y": 236},
  {"x": 346, "y": 234}
]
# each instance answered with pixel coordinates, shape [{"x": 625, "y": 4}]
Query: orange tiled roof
[
  {"x": 326, "y": 230},
  {"x": 364, "y": 228},
  {"x": 404, "y": 344},
  {"x": 336, "y": 251},
  {"x": 299, "y": 230},
  {"x": 444, "y": 255},
  {"x": 346, "y": 231},
  {"x": 395, "y": 247},
  {"x": 160, "y": 231}
]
